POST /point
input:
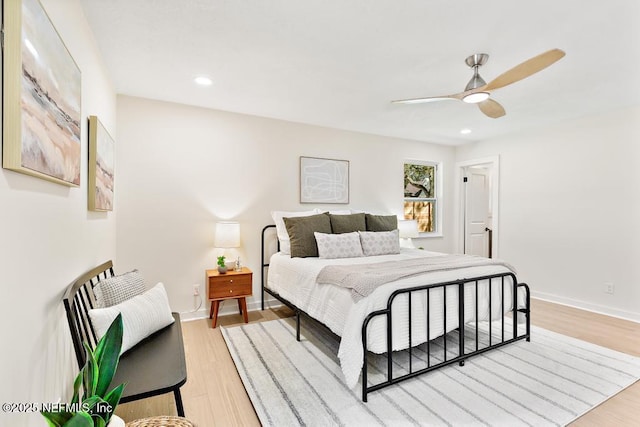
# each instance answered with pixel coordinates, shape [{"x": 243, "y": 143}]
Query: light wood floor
[{"x": 215, "y": 396}]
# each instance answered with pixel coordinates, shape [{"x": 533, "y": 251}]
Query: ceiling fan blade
[
  {"x": 491, "y": 108},
  {"x": 425, "y": 100},
  {"x": 453, "y": 97},
  {"x": 525, "y": 69}
]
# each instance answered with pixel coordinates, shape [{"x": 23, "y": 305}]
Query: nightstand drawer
[{"x": 230, "y": 286}]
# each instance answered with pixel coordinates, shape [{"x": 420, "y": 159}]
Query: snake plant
[{"x": 93, "y": 404}]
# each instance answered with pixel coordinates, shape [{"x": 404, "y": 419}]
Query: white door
[{"x": 477, "y": 211}]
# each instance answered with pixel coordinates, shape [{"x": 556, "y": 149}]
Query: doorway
[{"x": 478, "y": 208}]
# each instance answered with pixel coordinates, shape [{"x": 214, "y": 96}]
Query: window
[{"x": 421, "y": 193}]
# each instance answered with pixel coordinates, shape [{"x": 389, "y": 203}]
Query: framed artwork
[
  {"x": 324, "y": 180},
  {"x": 101, "y": 166},
  {"x": 41, "y": 86}
]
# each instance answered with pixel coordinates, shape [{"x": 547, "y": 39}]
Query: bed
[{"x": 472, "y": 307}]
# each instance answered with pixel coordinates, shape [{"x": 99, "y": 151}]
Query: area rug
[{"x": 551, "y": 380}]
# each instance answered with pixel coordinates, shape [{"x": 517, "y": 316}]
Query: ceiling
[{"x": 338, "y": 63}]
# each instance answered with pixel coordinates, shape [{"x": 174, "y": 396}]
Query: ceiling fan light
[
  {"x": 474, "y": 98},
  {"x": 203, "y": 81}
]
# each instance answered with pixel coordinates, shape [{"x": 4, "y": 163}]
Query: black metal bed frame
[{"x": 462, "y": 353}]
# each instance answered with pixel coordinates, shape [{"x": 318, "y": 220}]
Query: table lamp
[
  {"x": 228, "y": 236},
  {"x": 407, "y": 228}
]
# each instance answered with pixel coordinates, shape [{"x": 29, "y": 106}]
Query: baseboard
[
  {"x": 583, "y": 305},
  {"x": 227, "y": 307}
]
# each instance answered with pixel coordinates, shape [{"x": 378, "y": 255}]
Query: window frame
[{"x": 438, "y": 195}]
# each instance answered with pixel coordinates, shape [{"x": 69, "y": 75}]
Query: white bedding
[{"x": 295, "y": 280}]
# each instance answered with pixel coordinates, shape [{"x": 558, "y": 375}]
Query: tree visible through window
[{"x": 420, "y": 195}]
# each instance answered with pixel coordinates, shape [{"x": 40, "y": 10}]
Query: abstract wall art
[
  {"x": 41, "y": 86},
  {"x": 101, "y": 167},
  {"x": 324, "y": 180}
]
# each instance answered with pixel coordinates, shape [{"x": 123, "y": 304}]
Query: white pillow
[
  {"x": 142, "y": 315},
  {"x": 380, "y": 242},
  {"x": 345, "y": 245},
  {"x": 281, "y": 229}
]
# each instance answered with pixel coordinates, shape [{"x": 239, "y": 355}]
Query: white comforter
[{"x": 295, "y": 280}]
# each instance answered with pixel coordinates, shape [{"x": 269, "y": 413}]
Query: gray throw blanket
[{"x": 363, "y": 279}]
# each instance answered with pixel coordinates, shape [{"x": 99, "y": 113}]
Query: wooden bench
[{"x": 154, "y": 366}]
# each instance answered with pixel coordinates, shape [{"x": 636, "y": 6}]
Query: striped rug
[{"x": 551, "y": 380}]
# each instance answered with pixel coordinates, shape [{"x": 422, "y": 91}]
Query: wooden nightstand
[{"x": 231, "y": 285}]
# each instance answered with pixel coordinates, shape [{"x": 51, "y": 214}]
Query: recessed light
[
  {"x": 203, "y": 81},
  {"x": 465, "y": 131}
]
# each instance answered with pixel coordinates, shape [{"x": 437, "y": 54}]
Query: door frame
[{"x": 493, "y": 163}]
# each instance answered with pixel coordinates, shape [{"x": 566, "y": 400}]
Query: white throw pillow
[
  {"x": 380, "y": 242},
  {"x": 142, "y": 315},
  {"x": 117, "y": 289},
  {"x": 345, "y": 245},
  {"x": 281, "y": 229}
]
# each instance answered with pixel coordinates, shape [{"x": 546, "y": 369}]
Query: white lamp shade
[
  {"x": 227, "y": 235},
  {"x": 408, "y": 228}
]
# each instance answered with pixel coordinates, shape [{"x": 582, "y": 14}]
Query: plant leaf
[
  {"x": 56, "y": 419},
  {"x": 91, "y": 373},
  {"x": 76, "y": 386},
  {"x": 97, "y": 407},
  {"x": 108, "y": 354},
  {"x": 113, "y": 398},
  {"x": 80, "y": 419}
]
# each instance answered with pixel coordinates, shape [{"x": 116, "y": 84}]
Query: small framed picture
[{"x": 101, "y": 166}]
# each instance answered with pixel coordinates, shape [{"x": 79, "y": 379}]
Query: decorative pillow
[
  {"x": 348, "y": 223},
  {"x": 345, "y": 245},
  {"x": 142, "y": 315},
  {"x": 380, "y": 242},
  {"x": 381, "y": 222},
  {"x": 301, "y": 229},
  {"x": 117, "y": 289},
  {"x": 281, "y": 229}
]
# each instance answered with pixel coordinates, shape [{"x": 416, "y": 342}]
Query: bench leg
[{"x": 178, "y": 397}]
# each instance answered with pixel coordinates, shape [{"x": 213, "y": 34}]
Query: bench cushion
[{"x": 156, "y": 365}]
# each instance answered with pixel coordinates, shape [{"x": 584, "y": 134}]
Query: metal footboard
[
  {"x": 463, "y": 352},
  {"x": 463, "y": 341}
]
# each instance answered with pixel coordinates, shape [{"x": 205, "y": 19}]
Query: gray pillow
[
  {"x": 381, "y": 222},
  {"x": 117, "y": 289},
  {"x": 348, "y": 223},
  {"x": 301, "y": 229}
]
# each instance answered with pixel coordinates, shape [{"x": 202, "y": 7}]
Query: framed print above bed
[
  {"x": 324, "y": 180},
  {"x": 41, "y": 86},
  {"x": 101, "y": 166}
]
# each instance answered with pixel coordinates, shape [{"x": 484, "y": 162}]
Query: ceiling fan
[{"x": 478, "y": 91}]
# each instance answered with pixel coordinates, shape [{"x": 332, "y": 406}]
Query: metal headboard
[{"x": 264, "y": 261}]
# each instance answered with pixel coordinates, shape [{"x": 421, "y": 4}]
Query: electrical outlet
[
  {"x": 196, "y": 289},
  {"x": 609, "y": 288}
]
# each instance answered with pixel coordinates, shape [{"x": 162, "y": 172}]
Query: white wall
[
  {"x": 48, "y": 239},
  {"x": 181, "y": 168},
  {"x": 570, "y": 209}
]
